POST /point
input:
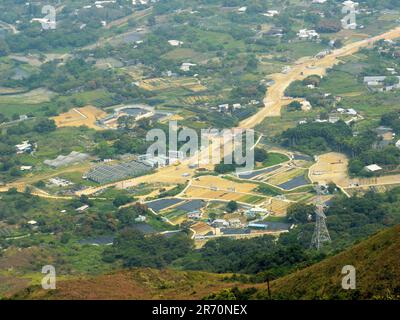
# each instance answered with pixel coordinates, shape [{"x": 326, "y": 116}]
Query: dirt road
[{"x": 303, "y": 68}]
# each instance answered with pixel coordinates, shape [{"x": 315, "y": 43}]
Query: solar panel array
[{"x": 111, "y": 173}]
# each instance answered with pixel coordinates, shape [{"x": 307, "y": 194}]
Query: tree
[
  {"x": 391, "y": 81},
  {"x": 4, "y": 49},
  {"x": 260, "y": 155},
  {"x": 121, "y": 199},
  {"x": 300, "y": 213},
  {"x": 232, "y": 206},
  {"x": 332, "y": 187},
  {"x": 45, "y": 125},
  {"x": 294, "y": 106}
]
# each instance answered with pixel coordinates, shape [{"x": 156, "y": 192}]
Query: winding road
[{"x": 303, "y": 68}]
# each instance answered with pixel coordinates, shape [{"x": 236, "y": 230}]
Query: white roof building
[
  {"x": 308, "y": 34},
  {"x": 83, "y": 208},
  {"x": 186, "y": 66},
  {"x": 175, "y": 43},
  {"x": 398, "y": 144},
  {"x": 220, "y": 223},
  {"x": 350, "y": 4},
  {"x": 140, "y": 218},
  {"x": 271, "y": 13},
  {"x": 24, "y": 147},
  {"x": 373, "y": 168}
]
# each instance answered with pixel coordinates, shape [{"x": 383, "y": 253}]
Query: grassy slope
[
  {"x": 377, "y": 266},
  {"x": 136, "y": 284},
  {"x": 376, "y": 261}
]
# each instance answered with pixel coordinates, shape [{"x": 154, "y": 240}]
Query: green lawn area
[
  {"x": 251, "y": 199},
  {"x": 341, "y": 82},
  {"x": 297, "y": 50},
  {"x": 274, "y": 159},
  {"x": 271, "y": 127}
]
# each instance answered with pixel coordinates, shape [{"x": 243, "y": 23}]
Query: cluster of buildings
[
  {"x": 378, "y": 83},
  {"x": 25, "y": 147},
  {"x": 305, "y": 34},
  {"x": 159, "y": 161},
  {"x": 234, "y": 225},
  {"x": 226, "y": 107}
]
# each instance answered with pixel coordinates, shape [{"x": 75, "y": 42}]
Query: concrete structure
[{"x": 373, "y": 168}]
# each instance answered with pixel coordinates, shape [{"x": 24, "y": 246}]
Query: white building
[
  {"x": 25, "y": 146},
  {"x": 220, "y": 223},
  {"x": 373, "y": 168},
  {"x": 83, "y": 208},
  {"x": 223, "y": 107},
  {"x": 186, "y": 66},
  {"x": 308, "y": 34},
  {"x": 175, "y": 43},
  {"x": 350, "y": 4},
  {"x": 140, "y": 218},
  {"x": 271, "y": 13},
  {"x": 398, "y": 144}
]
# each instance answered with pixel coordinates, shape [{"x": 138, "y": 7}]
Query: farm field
[{"x": 86, "y": 116}]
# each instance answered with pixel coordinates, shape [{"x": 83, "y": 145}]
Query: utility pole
[{"x": 321, "y": 233}]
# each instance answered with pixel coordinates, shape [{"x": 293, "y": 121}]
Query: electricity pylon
[{"x": 321, "y": 233}]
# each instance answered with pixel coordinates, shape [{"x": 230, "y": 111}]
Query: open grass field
[
  {"x": 22, "y": 103},
  {"x": 185, "y": 54},
  {"x": 156, "y": 84}
]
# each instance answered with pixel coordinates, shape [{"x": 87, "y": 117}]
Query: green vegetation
[
  {"x": 378, "y": 281},
  {"x": 317, "y": 138},
  {"x": 136, "y": 250}
]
